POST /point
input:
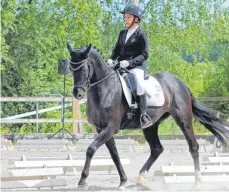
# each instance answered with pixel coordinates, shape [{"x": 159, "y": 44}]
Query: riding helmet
[{"x": 133, "y": 10}]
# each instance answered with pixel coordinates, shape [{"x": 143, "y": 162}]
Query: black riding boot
[{"x": 145, "y": 118}]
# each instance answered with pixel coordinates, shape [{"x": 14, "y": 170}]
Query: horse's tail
[{"x": 208, "y": 117}]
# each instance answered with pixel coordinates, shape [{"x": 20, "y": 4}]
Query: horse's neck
[
  {"x": 100, "y": 68},
  {"x": 103, "y": 75}
]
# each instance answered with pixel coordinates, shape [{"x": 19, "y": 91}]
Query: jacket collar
[{"x": 132, "y": 36}]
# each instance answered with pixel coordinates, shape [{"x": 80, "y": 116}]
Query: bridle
[{"x": 87, "y": 84}]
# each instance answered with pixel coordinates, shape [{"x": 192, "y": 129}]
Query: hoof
[
  {"x": 198, "y": 178},
  {"x": 141, "y": 187},
  {"x": 122, "y": 188},
  {"x": 83, "y": 187},
  {"x": 142, "y": 182},
  {"x": 197, "y": 181}
]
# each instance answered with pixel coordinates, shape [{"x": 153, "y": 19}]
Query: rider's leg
[
  {"x": 145, "y": 118},
  {"x": 139, "y": 75}
]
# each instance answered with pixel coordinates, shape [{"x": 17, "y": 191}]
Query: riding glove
[{"x": 124, "y": 64}]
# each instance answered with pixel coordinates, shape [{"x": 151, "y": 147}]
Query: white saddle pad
[{"x": 155, "y": 95}]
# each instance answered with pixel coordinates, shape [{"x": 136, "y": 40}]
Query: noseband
[{"x": 87, "y": 85}]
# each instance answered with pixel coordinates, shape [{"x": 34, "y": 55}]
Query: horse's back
[
  {"x": 163, "y": 75},
  {"x": 171, "y": 83},
  {"x": 169, "y": 78}
]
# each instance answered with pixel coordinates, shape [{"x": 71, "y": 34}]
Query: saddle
[
  {"x": 132, "y": 84},
  {"x": 154, "y": 92}
]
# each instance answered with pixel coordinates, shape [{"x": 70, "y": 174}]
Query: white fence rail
[
  {"x": 34, "y": 99},
  {"x": 34, "y": 112},
  {"x": 18, "y": 118},
  {"x": 41, "y": 121}
]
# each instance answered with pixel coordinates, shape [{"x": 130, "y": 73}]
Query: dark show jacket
[{"x": 135, "y": 50}]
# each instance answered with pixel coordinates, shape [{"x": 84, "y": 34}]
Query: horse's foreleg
[
  {"x": 102, "y": 138},
  {"x": 114, "y": 155}
]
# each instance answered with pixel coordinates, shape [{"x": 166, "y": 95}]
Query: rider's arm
[
  {"x": 143, "y": 41},
  {"x": 117, "y": 48}
]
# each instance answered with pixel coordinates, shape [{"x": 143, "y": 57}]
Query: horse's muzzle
[{"x": 78, "y": 93}]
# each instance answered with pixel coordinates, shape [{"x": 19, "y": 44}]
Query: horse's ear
[
  {"x": 86, "y": 51},
  {"x": 69, "y": 47}
]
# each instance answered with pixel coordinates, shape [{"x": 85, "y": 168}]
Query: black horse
[{"x": 107, "y": 108}]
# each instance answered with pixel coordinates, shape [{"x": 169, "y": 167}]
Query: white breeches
[{"x": 139, "y": 76}]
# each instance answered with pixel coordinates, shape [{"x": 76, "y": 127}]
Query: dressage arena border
[{"x": 109, "y": 182}]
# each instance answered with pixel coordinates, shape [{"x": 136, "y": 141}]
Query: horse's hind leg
[
  {"x": 114, "y": 155},
  {"x": 183, "y": 118},
  {"x": 151, "y": 136}
]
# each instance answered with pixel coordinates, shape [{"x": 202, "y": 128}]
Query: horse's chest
[{"x": 96, "y": 113}]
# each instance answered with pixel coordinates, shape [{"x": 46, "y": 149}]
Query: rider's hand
[
  {"x": 124, "y": 64},
  {"x": 111, "y": 63}
]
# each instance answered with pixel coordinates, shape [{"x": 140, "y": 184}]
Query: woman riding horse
[
  {"x": 107, "y": 107},
  {"x": 131, "y": 50}
]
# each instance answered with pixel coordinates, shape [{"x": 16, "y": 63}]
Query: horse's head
[{"x": 81, "y": 70}]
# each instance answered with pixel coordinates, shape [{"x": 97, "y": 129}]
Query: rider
[{"x": 131, "y": 50}]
